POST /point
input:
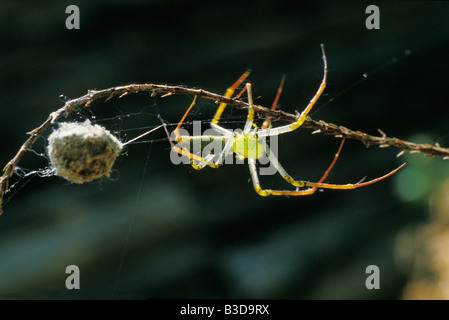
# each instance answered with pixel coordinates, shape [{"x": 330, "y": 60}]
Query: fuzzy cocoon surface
[{"x": 82, "y": 152}]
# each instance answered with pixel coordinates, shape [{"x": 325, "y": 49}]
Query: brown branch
[{"x": 155, "y": 89}]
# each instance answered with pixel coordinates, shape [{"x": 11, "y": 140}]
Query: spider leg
[
  {"x": 288, "y": 178},
  {"x": 332, "y": 163},
  {"x": 226, "y": 150},
  {"x": 221, "y": 130},
  {"x": 229, "y": 92},
  {"x": 228, "y": 133},
  {"x": 274, "y": 161},
  {"x": 181, "y": 150},
  {"x": 349, "y": 185},
  {"x": 315, "y": 98},
  {"x": 267, "y": 123},
  {"x": 176, "y": 132},
  {"x": 195, "y": 160},
  {"x": 250, "y": 118},
  {"x": 302, "y": 117},
  {"x": 267, "y": 192},
  {"x": 198, "y": 162},
  {"x": 313, "y": 186}
]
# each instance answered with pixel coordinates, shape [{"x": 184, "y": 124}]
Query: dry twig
[{"x": 319, "y": 126}]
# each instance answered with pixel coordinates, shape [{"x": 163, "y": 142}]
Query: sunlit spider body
[
  {"x": 251, "y": 144},
  {"x": 248, "y": 146}
]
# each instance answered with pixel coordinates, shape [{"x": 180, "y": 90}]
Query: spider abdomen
[{"x": 248, "y": 146}]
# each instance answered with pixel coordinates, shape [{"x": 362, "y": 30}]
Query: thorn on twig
[
  {"x": 297, "y": 114},
  {"x": 123, "y": 94},
  {"x": 167, "y": 95},
  {"x": 401, "y": 153},
  {"x": 34, "y": 131},
  {"x": 110, "y": 96}
]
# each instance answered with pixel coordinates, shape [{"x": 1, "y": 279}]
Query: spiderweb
[
  {"x": 126, "y": 126},
  {"x": 149, "y": 200}
]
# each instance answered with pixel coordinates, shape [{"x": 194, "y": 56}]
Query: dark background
[{"x": 156, "y": 230}]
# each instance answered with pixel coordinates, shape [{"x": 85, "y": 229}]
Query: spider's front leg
[
  {"x": 184, "y": 144},
  {"x": 223, "y": 144},
  {"x": 200, "y": 150},
  {"x": 303, "y": 115},
  {"x": 229, "y": 92}
]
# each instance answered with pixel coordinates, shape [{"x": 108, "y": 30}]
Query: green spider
[{"x": 250, "y": 143}]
